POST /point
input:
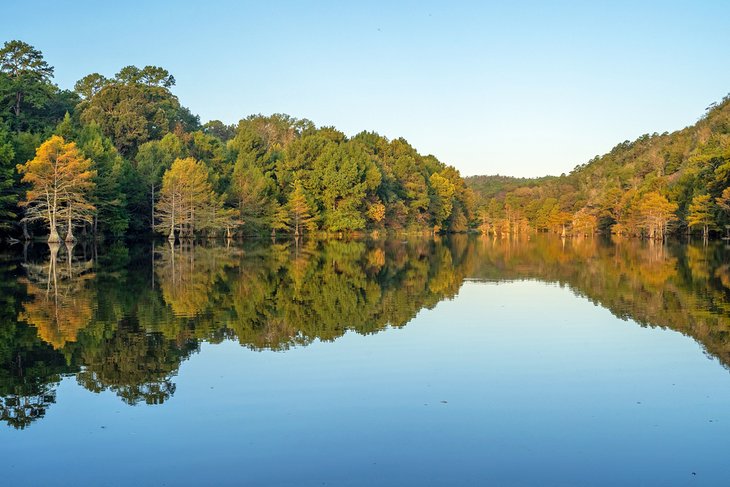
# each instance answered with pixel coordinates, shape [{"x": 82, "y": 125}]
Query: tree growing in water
[
  {"x": 656, "y": 212},
  {"x": 724, "y": 203},
  {"x": 188, "y": 203},
  {"x": 301, "y": 215},
  {"x": 60, "y": 178},
  {"x": 700, "y": 214}
]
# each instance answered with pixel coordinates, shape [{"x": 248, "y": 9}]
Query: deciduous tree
[
  {"x": 299, "y": 209},
  {"x": 655, "y": 213},
  {"x": 60, "y": 179},
  {"x": 185, "y": 200},
  {"x": 701, "y": 214}
]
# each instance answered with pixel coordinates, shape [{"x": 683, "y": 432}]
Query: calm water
[{"x": 461, "y": 361}]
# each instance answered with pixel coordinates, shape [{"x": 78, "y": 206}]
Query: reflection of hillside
[
  {"x": 125, "y": 321},
  {"x": 137, "y": 366},
  {"x": 283, "y": 295},
  {"x": 682, "y": 287}
]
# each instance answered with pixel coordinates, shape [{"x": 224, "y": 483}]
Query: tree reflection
[
  {"x": 60, "y": 300},
  {"x": 137, "y": 366},
  {"x": 682, "y": 287},
  {"x": 30, "y": 368},
  {"x": 124, "y": 319}
]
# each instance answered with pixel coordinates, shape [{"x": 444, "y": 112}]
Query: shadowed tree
[
  {"x": 153, "y": 159},
  {"x": 8, "y": 191},
  {"x": 252, "y": 190}
]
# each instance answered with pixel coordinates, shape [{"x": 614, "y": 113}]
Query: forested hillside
[
  {"x": 122, "y": 155},
  {"x": 657, "y": 184}
]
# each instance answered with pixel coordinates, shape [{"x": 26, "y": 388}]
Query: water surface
[{"x": 461, "y": 361}]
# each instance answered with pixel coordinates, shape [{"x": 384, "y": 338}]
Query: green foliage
[
  {"x": 8, "y": 192},
  {"x": 701, "y": 213},
  {"x": 134, "y": 108},
  {"x": 90, "y": 85},
  {"x": 266, "y": 172},
  {"x": 28, "y": 98}
]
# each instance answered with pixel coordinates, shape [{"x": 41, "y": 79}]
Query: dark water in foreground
[{"x": 462, "y": 361}]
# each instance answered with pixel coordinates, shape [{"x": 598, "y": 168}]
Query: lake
[{"x": 447, "y": 361}]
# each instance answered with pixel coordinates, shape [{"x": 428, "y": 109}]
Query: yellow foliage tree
[
  {"x": 584, "y": 222},
  {"x": 655, "y": 213},
  {"x": 700, "y": 214},
  {"x": 724, "y": 203},
  {"x": 187, "y": 201},
  {"x": 59, "y": 177},
  {"x": 376, "y": 211},
  {"x": 299, "y": 210}
]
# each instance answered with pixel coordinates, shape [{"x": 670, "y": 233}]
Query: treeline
[
  {"x": 653, "y": 186},
  {"x": 121, "y": 155}
]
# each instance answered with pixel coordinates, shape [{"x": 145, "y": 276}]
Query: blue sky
[{"x": 516, "y": 88}]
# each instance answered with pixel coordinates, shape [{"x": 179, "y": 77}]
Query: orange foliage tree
[{"x": 60, "y": 178}]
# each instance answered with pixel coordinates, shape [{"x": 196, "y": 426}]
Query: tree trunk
[
  {"x": 16, "y": 109},
  {"x": 152, "y": 211},
  {"x": 53, "y": 236},
  {"x": 171, "y": 237},
  {"x": 69, "y": 233}
]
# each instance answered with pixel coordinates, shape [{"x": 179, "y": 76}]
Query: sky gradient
[{"x": 524, "y": 89}]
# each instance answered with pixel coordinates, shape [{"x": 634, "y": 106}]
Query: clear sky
[{"x": 518, "y": 88}]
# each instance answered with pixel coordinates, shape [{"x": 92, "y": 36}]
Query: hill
[{"x": 654, "y": 185}]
